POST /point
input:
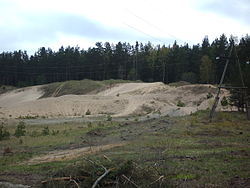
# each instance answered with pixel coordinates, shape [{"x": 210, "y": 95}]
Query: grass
[
  {"x": 189, "y": 152},
  {"x": 4, "y": 88},
  {"x": 78, "y": 87},
  {"x": 34, "y": 143},
  {"x": 178, "y": 84}
]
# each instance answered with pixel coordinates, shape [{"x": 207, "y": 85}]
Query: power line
[
  {"x": 153, "y": 25},
  {"x": 143, "y": 32}
]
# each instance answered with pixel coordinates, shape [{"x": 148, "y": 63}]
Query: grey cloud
[
  {"x": 43, "y": 27},
  {"x": 236, "y": 9}
]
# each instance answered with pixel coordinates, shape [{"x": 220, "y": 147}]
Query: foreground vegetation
[{"x": 167, "y": 152}]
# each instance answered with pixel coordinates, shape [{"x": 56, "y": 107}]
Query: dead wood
[
  {"x": 64, "y": 179},
  {"x": 133, "y": 183}
]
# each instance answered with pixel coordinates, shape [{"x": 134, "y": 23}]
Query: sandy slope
[{"x": 120, "y": 100}]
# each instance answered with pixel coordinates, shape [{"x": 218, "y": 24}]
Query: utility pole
[
  {"x": 217, "y": 98},
  {"x": 211, "y": 115}
]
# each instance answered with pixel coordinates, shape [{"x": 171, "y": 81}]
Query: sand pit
[{"x": 119, "y": 100}]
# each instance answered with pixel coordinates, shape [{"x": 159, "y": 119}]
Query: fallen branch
[
  {"x": 107, "y": 158},
  {"x": 100, "y": 178},
  {"x": 75, "y": 182},
  {"x": 133, "y": 183},
  {"x": 64, "y": 179},
  {"x": 161, "y": 177}
]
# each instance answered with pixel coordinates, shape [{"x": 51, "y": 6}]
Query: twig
[
  {"x": 107, "y": 158},
  {"x": 63, "y": 179},
  {"x": 133, "y": 183},
  {"x": 161, "y": 177},
  {"x": 75, "y": 182},
  {"x": 100, "y": 178},
  {"x": 96, "y": 163}
]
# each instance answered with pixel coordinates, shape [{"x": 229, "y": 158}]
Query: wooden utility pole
[{"x": 217, "y": 98}]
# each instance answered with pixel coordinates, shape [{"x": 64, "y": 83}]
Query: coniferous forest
[{"x": 201, "y": 63}]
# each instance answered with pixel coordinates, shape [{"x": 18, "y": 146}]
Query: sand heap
[{"x": 120, "y": 100}]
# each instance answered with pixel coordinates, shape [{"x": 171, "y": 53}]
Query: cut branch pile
[{"x": 119, "y": 176}]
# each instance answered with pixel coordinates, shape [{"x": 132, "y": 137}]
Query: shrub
[
  {"x": 20, "y": 130},
  {"x": 224, "y": 101},
  {"x": 20, "y": 141},
  {"x": 89, "y": 125},
  {"x": 180, "y": 104},
  {"x": 109, "y": 118},
  {"x": 209, "y": 95},
  {"x": 34, "y": 133},
  {"x": 88, "y": 112},
  {"x": 4, "y": 134},
  {"x": 45, "y": 131},
  {"x": 55, "y": 132}
]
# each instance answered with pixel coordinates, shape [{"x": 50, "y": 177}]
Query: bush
[
  {"x": 180, "y": 104},
  {"x": 20, "y": 130},
  {"x": 209, "y": 95},
  {"x": 55, "y": 132},
  {"x": 45, "y": 131},
  {"x": 34, "y": 133},
  {"x": 224, "y": 101},
  {"x": 89, "y": 125},
  {"x": 4, "y": 134},
  {"x": 109, "y": 118},
  {"x": 88, "y": 112}
]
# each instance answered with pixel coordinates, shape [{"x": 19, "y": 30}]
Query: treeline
[{"x": 195, "y": 64}]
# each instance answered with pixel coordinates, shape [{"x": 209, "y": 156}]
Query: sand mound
[
  {"x": 20, "y": 96},
  {"x": 120, "y": 100}
]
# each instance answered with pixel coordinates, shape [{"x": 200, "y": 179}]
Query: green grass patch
[
  {"x": 4, "y": 88},
  {"x": 189, "y": 152},
  {"x": 78, "y": 87}
]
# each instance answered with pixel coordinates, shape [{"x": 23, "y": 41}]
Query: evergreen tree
[{"x": 206, "y": 70}]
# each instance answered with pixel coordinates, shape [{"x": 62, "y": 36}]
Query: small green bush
[
  {"x": 224, "y": 101},
  {"x": 89, "y": 125},
  {"x": 180, "y": 104},
  {"x": 88, "y": 112},
  {"x": 45, "y": 131},
  {"x": 55, "y": 132},
  {"x": 109, "y": 118},
  {"x": 20, "y": 141},
  {"x": 20, "y": 130},
  {"x": 4, "y": 134},
  {"x": 34, "y": 133},
  {"x": 209, "y": 95}
]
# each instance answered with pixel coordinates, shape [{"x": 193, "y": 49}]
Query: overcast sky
[{"x": 31, "y": 24}]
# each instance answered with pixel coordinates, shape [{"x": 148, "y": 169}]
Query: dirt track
[
  {"x": 119, "y": 101},
  {"x": 67, "y": 154}
]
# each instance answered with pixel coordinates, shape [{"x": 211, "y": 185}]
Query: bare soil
[{"x": 120, "y": 100}]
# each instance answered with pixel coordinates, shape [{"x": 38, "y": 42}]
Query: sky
[{"x": 31, "y": 24}]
